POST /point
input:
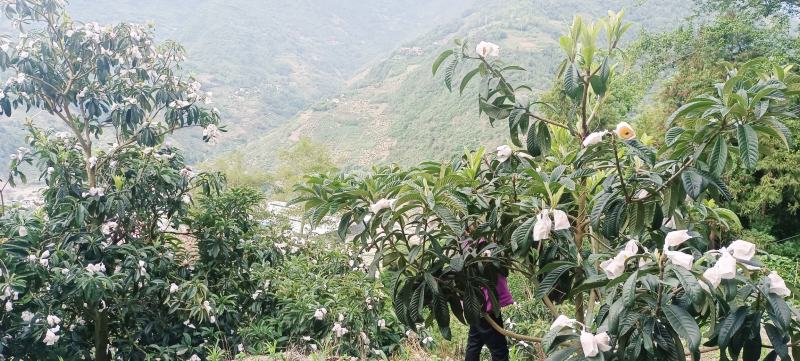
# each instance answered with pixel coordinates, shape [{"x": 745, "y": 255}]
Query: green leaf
[
  {"x": 416, "y": 304},
  {"x": 573, "y": 85},
  {"x": 553, "y": 265},
  {"x": 431, "y": 282},
  {"x": 514, "y": 125},
  {"x": 642, "y": 151},
  {"x": 449, "y": 73},
  {"x": 549, "y": 281},
  {"x": 473, "y": 300},
  {"x": 595, "y": 281},
  {"x": 533, "y": 146},
  {"x": 599, "y": 81},
  {"x": 441, "y": 58},
  {"x": 521, "y": 234},
  {"x": 718, "y": 157},
  {"x": 688, "y": 108},
  {"x": 779, "y": 311},
  {"x": 447, "y": 217},
  {"x": 783, "y": 131},
  {"x": 778, "y": 340},
  {"x": 615, "y": 218},
  {"x": 458, "y": 308},
  {"x": 716, "y": 182},
  {"x": 683, "y": 323},
  {"x": 401, "y": 298},
  {"x": 629, "y": 290},
  {"x": 748, "y": 145},
  {"x": 493, "y": 111},
  {"x": 689, "y": 283},
  {"x": 673, "y": 134},
  {"x": 729, "y": 326},
  {"x": 548, "y": 338},
  {"x": 562, "y": 354},
  {"x": 692, "y": 183},
  {"x": 465, "y": 80},
  {"x": 616, "y": 312},
  {"x": 600, "y": 203},
  {"x": 442, "y": 314},
  {"x": 344, "y": 224},
  {"x": 543, "y": 137}
]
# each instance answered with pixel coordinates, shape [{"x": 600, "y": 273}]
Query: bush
[{"x": 320, "y": 285}]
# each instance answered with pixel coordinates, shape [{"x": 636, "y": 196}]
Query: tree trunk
[
  {"x": 579, "y": 232},
  {"x": 101, "y": 336}
]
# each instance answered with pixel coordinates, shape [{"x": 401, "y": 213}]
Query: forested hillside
[
  {"x": 264, "y": 60},
  {"x": 395, "y": 111}
]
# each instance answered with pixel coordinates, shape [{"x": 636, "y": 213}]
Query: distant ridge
[{"x": 394, "y": 111}]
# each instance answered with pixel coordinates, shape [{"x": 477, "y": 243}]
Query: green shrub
[
  {"x": 321, "y": 274},
  {"x": 787, "y": 267}
]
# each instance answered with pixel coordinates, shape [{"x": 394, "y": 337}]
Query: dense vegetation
[
  {"x": 635, "y": 203},
  {"x": 577, "y": 204}
]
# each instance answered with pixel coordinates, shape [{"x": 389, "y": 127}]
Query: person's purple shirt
[
  {"x": 504, "y": 297},
  {"x": 502, "y": 292}
]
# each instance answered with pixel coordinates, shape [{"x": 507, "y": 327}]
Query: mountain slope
[
  {"x": 395, "y": 111},
  {"x": 264, "y": 60}
]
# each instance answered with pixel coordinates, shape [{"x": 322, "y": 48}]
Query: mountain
[
  {"x": 394, "y": 111},
  {"x": 264, "y": 60}
]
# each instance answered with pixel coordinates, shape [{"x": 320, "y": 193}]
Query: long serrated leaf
[
  {"x": 689, "y": 283},
  {"x": 778, "y": 340},
  {"x": 692, "y": 183},
  {"x": 433, "y": 285},
  {"x": 779, "y": 311},
  {"x": 716, "y": 182},
  {"x": 472, "y": 305},
  {"x": 401, "y": 298},
  {"x": 441, "y": 58},
  {"x": 730, "y": 325},
  {"x": 748, "y": 145},
  {"x": 450, "y": 72},
  {"x": 629, "y": 290},
  {"x": 442, "y": 314},
  {"x": 573, "y": 85},
  {"x": 688, "y": 108},
  {"x": 549, "y": 281},
  {"x": 344, "y": 223},
  {"x": 532, "y": 142},
  {"x": 684, "y": 325},
  {"x": 449, "y": 219},
  {"x": 672, "y": 135},
  {"x": 599, "y": 207},
  {"x": 642, "y": 151},
  {"x": 783, "y": 131},
  {"x": 548, "y": 338},
  {"x": 615, "y": 218},
  {"x": 718, "y": 156},
  {"x": 520, "y": 235},
  {"x": 416, "y": 304},
  {"x": 553, "y": 265},
  {"x": 543, "y": 137}
]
